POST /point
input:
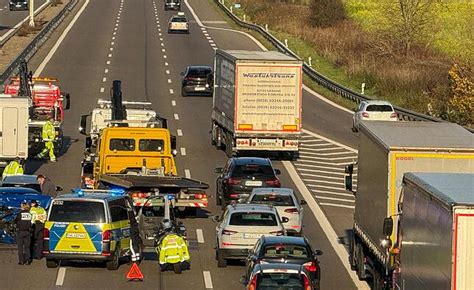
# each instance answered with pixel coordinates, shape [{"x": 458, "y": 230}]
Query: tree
[
  {"x": 325, "y": 13},
  {"x": 460, "y": 106}
]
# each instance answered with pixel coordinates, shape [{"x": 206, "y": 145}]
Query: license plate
[
  {"x": 267, "y": 142},
  {"x": 253, "y": 183},
  {"x": 76, "y": 235},
  {"x": 199, "y": 89},
  {"x": 252, "y": 236}
]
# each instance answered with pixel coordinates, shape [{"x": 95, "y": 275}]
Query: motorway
[
  {"x": 9, "y": 19},
  {"x": 128, "y": 40}
]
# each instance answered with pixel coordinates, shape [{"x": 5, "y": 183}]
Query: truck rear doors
[{"x": 463, "y": 251}]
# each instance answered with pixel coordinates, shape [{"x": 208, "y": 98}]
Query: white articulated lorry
[
  {"x": 435, "y": 249},
  {"x": 257, "y": 102},
  {"x": 14, "y": 114},
  {"x": 388, "y": 150}
]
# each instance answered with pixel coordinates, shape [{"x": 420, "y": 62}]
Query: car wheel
[
  {"x": 218, "y": 199},
  {"x": 115, "y": 262},
  {"x": 51, "y": 263},
  {"x": 221, "y": 262},
  {"x": 184, "y": 94},
  {"x": 177, "y": 268},
  {"x": 223, "y": 203}
]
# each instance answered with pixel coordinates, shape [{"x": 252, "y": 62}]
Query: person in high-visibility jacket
[
  {"x": 38, "y": 218},
  {"x": 173, "y": 249},
  {"x": 48, "y": 135},
  {"x": 13, "y": 168}
]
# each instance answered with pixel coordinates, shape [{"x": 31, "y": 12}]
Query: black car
[
  {"x": 288, "y": 250},
  {"x": 279, "y": 276},
  {"x": 197, "y": 80},
  {"x": 172, "y": 4},
  {"x": 18, "y": 5},
  {"x": 240, "y": 175}
]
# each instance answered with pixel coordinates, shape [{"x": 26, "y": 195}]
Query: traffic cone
[{"x": 134, "y": 274}]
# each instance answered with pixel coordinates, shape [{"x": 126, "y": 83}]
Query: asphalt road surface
[{"x": 128, "y": 40}]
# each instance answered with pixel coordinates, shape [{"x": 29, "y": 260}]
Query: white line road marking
[
  {"x": 187, "y": 173},
  {"x": 115, "y": 28},
  {"x": 206, "y": 34},
  {"x": 169, "y": 81},
  {"x": 171, "y": 91},
  {"x": 213, "y": 44},
  {"x": 162, "y": 44},
  {"x": 159, "y": 29},
  {"x": 344, "y": 206},
  {"x": 106, "y": 71},
  {"x": 200, "y": 236},
  {"x": 60, "y": 278},
  {"x": 207, "y": 279},
  {"x": 161, "y": 38},
  {"x": 114, "y": 33},
  {"x": 163, "y": 50},
  {"x": 110, "y": 55},
  {"x": 211, "y": 41},
  {"x": 104, "y": 79},
  {"x": 166, "y": 64},
  {"x": 102, "y": 89},
  {"x": 183, "y": 151},
  {"x": 329, "y": 140},
  {"x": 333, "y": 193},
  {"x": 167, "y": 72},
  {"x": 324, "y": 222},
  {"x": 176, "y": 116},
  {"x": 208, "y": 37},
  {"x": 108, "y": 62},
  {"x": 160, "y": 34},
  {"x": 319, "y": 177},
  {"x": 60, "y": 39},
  {"x": 334, "y": 198},
  {"x": 179, "y": 132},
  {"x": 113, "y": 37},
  {"x": 173, "y": 103},
  {"x": 112, "y": 43},
  {"x": 164, "y": 56}
]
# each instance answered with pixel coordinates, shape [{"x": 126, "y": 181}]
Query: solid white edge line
[
  {"x": 187, "y": 173},
  {"x": 48, "y": 57},
  {"x": 207, "y": 280},
  {"x": 324, "y": 223},
  {"x": 60, "y": 277},
  {"x": 200, "y": 236}
]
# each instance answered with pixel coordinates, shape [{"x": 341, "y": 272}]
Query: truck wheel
[
  {"x": 177, "y": 268},
  {"x": 352, "y": 256},
  {"x": 51, "y": 263},
  {"x": 221, "y": 262},
  {"x": 115, "y": 262},
  {"x": 228, "y": 146},
  {"x": 360, "y": 263},
  {"x": 378, "y": 283},
  {"x": 218, "y": 199}
]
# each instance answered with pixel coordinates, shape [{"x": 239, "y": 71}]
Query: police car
[
  {"x": 89, "y": 225},
  {"x": 178, "y": 23}
]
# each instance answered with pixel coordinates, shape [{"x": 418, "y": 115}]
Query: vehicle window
[
  {"x": 379, "y": 108},
  {"x": 285, "y": 250},
  {"x": 122, "y": 144},
  {"x": 77, "y": 211},
  {"x": 253, "y": 219},
  {"x": 200, "y": 73},
  {"x": 155, "y": 145},
  {"x": 36, "y": 187},
  {"x": 118, "y": 210},
  {"x": 249, "y": 170},
  {"x": 287, "y": 281},
  {"x": 361, "y": 106},
  {"x": 179, "y": 19},
  {"x": 275, "y": 199}
]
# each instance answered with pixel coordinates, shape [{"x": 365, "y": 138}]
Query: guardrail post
[
  {"x": 309, "y": 61},
  {"x": 245, "y": 18},
  {"x": 266, "y": 27},
  {"x": 362, "y": 89},
  {"x": 286, "y": 43},
  {"x": 231, "y": 9}
]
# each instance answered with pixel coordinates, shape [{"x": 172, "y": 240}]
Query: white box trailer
[
  {"x": 388, "y": 150},
  {"x": 14, "y": 114},
  {"x": 257, "y": 101},
  {"x": 436, "y": 247}
]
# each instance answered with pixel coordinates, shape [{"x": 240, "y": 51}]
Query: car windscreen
[
  {"x": 286, "y": 251},
  {"x": 151, "y": 145},
  {"x": 77, "y": 211},
  {"x": 36, "y": 187},
  {"x": 253, "y": 219},
  {"x": 272, "y": 198},
  {"x": 249, "y": 170},
  {"x": 199, "y": 72},
  {"x": 277, "y": 281},
  {"x": 122, "y": 144},
  {"x": 379, "y": 108},
  {"x": 179, "y": 19}
]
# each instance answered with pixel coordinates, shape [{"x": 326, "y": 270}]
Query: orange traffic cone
[{"x": 134, "y": 274}]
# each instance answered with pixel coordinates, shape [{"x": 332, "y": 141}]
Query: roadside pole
[{"x": 31, "y": 6}]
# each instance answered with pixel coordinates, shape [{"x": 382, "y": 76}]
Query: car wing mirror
[
  {"x": 285, "y": 219},
  {"x": 181, "y": 73},
  {"x": 303, "y": 202},
  {"x": 218, "y": 170},
  {"x": 59, "y": 188},
  {"x": 216, "y": 218},
  {"x": 277, "y": 171},
  {"x": 243, "y": 280},
  {"x": 318, "y": 253}
]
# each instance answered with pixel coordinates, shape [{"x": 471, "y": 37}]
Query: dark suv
[
  {"x": 197, "y": 80},
  {"x": 18, "y": 5},
  {"x": 172, "y": 4},
  {"x": 240, "y": 175}
]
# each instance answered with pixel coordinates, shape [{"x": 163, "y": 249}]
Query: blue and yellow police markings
[{"x": 75, "y": 237}]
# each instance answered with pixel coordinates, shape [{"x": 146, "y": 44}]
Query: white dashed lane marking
[
  {"x": 171, "y": 91},
  {"x": 187, "y": 173},
  {"x": 166, "y": 64},
  {"x": 207, "y": 280},
  {"x": 60, "y": 277},
  {"x": 200, "y": 236},
  {"x": 102, "y": 90},
  {"x": 179, "y": 132},
  {"x": 173, "y": 103},
  {"x": 169, "y": 81},
  {"x": 183, "y": 151},
  {"x": 176, "y": 116},
  {"x": 104, "y": 79}
]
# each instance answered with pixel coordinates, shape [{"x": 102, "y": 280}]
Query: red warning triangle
[{"x": 135, "y": 273}]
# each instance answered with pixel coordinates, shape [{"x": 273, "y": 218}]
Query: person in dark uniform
[
  {"x": 23, "y": 236},
  {"x": 38, "y": 218}
]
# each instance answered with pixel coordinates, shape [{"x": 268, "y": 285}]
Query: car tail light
[
  {"x": 278, "y": 233},
  {"x": 310, "y": 266},
  {"x": 307, "y": 285},
  {"x": 106, "y": 236},
  {"x": 139, "y": 195},
  {"x": 292, "y": 210},
  {"x": 234, "y": 195},
  {"x": 200, "y": 196},
  {"x": 232, "y": 181},
  {"x": 393, "y": 115},
  {"x": 253, "y": 283},
  {"x": 274, "y": 182},
  {"x": 365, "y": 114},
  {"x": 229, "y": 232},
  {"x": 46, "y": 234}
]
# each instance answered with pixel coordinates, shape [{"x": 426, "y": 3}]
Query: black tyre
[
  {"x": 360, "y": 263},
  {"x": 218, "y": 199},
  {"x": 183, "y": 93},
  {"x": 352, "y": 253},
  {"x": 378, "y": 283},
  {"x": 223, "y": 203},
  {"x": 115, "y": 262},
  {"x": 177, "y": 268},
  {"x": 51, "y": 263},
  {"x": 228, "y": 146},
  {"x": 221, "y": 262}
]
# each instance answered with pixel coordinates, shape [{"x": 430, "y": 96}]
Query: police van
[{"x": 88, "y": 225}]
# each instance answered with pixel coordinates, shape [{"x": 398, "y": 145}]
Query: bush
[{"x": 325, "y": 13}]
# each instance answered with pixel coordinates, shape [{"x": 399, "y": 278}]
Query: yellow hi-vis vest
[
  {"x": 49, "y": 132},
  {"x": 38, "y": 214},
  {"x": 13, "y": 168},
  {"x": 173, "y": 249}
]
